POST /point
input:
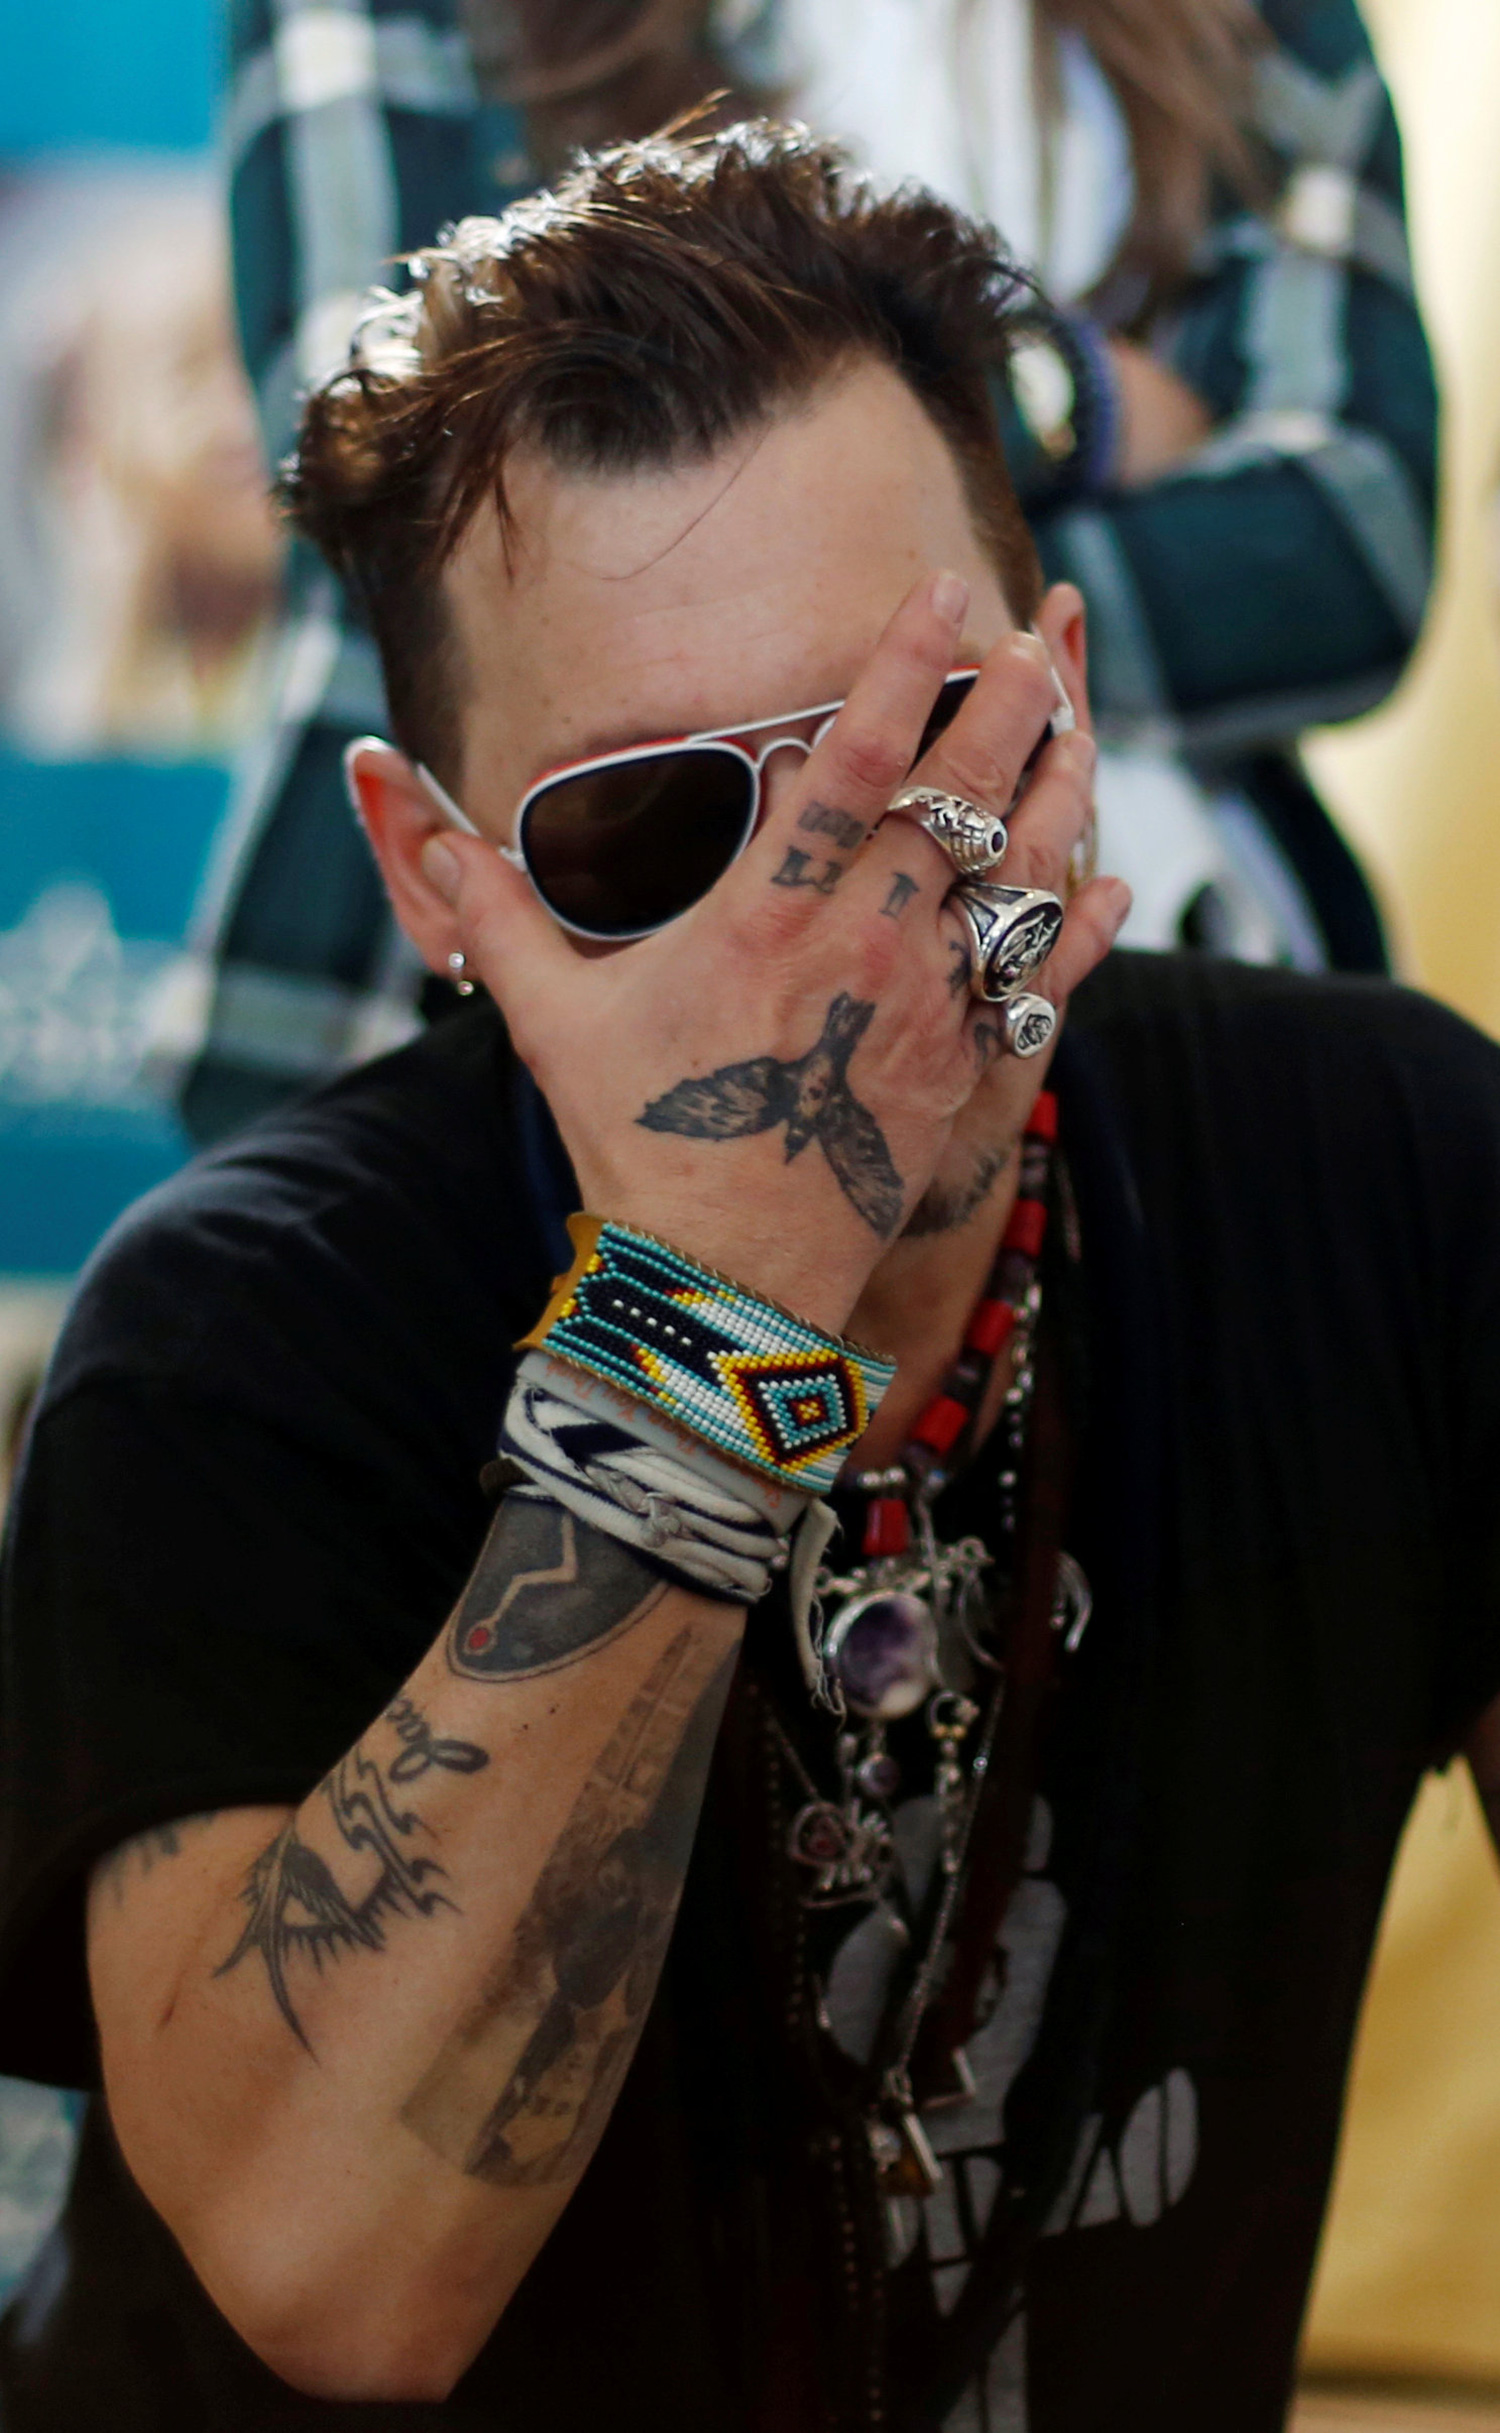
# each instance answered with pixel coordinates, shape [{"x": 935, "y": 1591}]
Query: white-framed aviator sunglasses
[{"x": 618, "y": 845}]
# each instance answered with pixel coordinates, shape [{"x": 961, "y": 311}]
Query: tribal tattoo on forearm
[
  {"x": 809, "y": 1094},
  {"x": 546, "y": 1590},
  {"x": 298, "y": 1909},
  {"x": 520, "y": 2093}
]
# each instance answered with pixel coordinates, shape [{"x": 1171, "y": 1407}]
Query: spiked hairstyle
[{"x": 663, "y": 297}]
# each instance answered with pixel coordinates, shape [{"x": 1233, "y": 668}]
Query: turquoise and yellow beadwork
[{"x": 746, "y": 1376}]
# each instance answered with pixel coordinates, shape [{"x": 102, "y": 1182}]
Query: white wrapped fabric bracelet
[{"x": 698, "y": 1520}]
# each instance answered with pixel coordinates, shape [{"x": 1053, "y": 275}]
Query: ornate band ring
[
  {"x": 1013, "y": 930},
  {"x": 973, "y": 840}
]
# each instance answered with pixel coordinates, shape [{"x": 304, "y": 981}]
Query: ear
[
  {"x": 399, "y": 808},
  {"x": 1061, "y": 621}
]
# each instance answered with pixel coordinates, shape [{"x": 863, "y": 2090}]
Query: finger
[
  {"x": 1093, "y": 923},
  {"x": 1053, "y": 816},
  {"x": 851, "y": 775},
  {"x": 983, "y": 753},
  {"x": 1090, "y": 927},
  {"x": 509, "y": 940},
  {"x": 903, "y": 873}
]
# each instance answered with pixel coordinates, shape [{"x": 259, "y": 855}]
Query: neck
[{"x": 915, "y": 1309}]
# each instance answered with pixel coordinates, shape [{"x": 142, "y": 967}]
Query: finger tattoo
[
  {"x": 822, "y": 819},
  {"x": 902, "y": 891},
  {"x": 797, "y": 871}
]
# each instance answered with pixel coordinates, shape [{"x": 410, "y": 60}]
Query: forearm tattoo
[
  {"x": 809, "y": 1094},
  {"x": 298, "y": 1909},
  {"x": 520, "y": 2093},
  {"x": 144, "y": 1852},
  {"x": 546, "y": 1590}
]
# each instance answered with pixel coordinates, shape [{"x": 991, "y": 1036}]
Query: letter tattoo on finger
[
  {"x": 822, "y": 819},
  {"x": 797, "y": 871},
  {"x": 901, "y": 893}
]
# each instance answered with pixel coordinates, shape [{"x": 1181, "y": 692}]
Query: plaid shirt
[{"x": 1276, "y": 581}]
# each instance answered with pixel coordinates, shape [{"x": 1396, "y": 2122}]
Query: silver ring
[
  {"x": 973, "y": 840},
  {"x": 1027, "y": 1024},
  {"x": 1014, "y": 930}
]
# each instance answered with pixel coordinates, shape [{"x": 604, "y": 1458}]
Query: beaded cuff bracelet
[{"x": 747, "y": 1377}]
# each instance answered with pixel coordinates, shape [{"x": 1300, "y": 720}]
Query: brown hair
[
  {"x": 663, "y": 297},
  {"x": 594, "y": 71}
]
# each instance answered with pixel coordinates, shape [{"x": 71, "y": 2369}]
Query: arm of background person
[
  {"x": 351, "y": 137},
  {"x": 429, "y": 1978},
  {"x": 1281, "y": 576}
]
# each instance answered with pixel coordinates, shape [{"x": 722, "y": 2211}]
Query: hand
[
  {"x": 1164, "y": 422},
  {"x": 770, "y": 1082}
]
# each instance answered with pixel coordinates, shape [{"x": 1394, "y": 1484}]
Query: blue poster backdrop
[
  {"x": 100, "y": 859},
  {"x": 99, "y": 865}
]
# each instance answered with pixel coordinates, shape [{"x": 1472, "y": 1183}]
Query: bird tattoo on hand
[{"x": 809, "y": 1094}]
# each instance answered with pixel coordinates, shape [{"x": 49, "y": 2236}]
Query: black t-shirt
[{"x": 252, "y": 1492}]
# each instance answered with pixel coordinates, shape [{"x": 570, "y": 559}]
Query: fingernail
[
  {"x": 1084, "y": 750},
  {"x": 950, "y": 596},
  {"x": 1120, "y": 901},
  {"x": 442, "y": 869}
]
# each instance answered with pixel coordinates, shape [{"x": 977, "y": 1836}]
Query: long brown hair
[{"x": 593, "y": 71}]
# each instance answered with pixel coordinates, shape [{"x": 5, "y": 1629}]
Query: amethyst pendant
[{"x": 882, "y": 1650}]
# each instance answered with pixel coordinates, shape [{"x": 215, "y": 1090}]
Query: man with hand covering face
[{"x": 567, "y": 1942}]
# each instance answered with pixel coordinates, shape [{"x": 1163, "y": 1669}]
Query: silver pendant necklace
[{"x": 907, "y": 1629}]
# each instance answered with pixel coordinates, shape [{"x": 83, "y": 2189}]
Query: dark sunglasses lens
[
  {"x": 955, "y": 692},
  {"x": 620, "y": 850}
]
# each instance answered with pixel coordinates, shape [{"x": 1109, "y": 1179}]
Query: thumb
[{"x": 509, "y": 939}]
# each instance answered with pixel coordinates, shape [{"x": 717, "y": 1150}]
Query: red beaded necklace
[{"x": 928, "y": 1453}]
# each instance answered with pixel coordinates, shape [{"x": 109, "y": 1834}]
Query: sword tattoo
[{"x": 809, "y": 1094}]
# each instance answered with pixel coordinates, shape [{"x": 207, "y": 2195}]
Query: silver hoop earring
[{"x": 457, "y": 963}]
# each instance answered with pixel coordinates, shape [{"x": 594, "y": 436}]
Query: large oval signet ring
[
  {"x": 973, "y": 840},
  {"x": 1027, "y": 1024},
  {"x": 1014, "y": 930}
]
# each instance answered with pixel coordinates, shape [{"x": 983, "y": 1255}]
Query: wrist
[
  {"x": 822, "y": 1293},
  {"x": 761, "y": 1384}
]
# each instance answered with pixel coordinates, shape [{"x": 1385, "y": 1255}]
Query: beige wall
[
  {"x": 1419, "y": 785},
  {"x": 1410, "y": 2275}
]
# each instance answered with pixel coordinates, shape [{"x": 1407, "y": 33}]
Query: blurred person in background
[
  {"x": 1225, "y": 436},
  {"x": 143, "y": 560}
]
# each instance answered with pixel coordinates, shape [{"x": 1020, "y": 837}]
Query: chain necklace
[{"x": 911, "y": 1627}]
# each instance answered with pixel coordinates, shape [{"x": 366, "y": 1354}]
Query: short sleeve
[
  {"x": 195, "y": 1612},
  {"x": 1462, "y": 1205}
]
